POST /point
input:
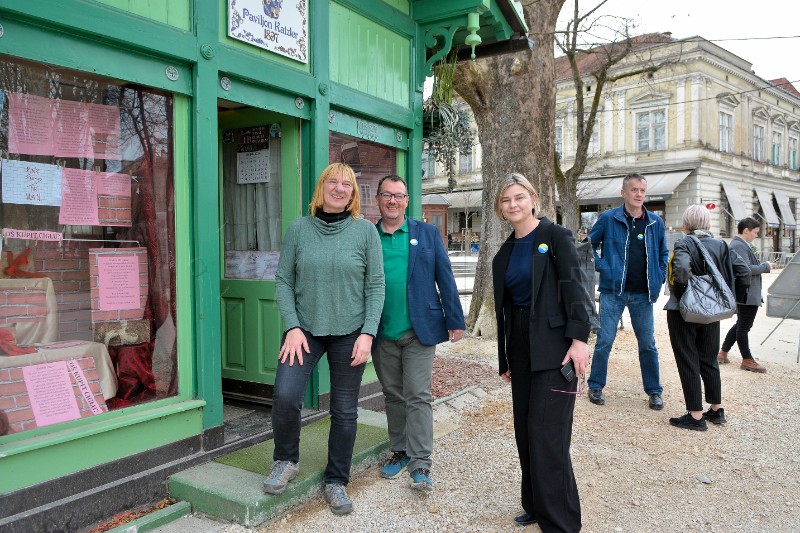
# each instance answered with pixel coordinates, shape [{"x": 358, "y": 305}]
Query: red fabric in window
[{"x": 134, "y": 373}]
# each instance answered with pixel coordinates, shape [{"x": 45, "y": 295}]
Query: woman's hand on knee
[
  {"x": 294, "y": 346},
  {"x": 361, "y": 349}
]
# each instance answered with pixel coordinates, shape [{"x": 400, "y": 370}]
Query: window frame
[
  {"x": 726, "y": 131},
  {"x": 651, "y": 127}
]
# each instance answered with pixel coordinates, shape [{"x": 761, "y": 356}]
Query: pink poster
[
  {"x": 30, "y": 121},
  {"x": 114, "y": 184},
  {"x": 83, "y": 387},
  {"x": 71, "y": 136},
  {"x": 50, "y": 392},
  {"x": 118, "y": 282},
  {"x": 78, "y": 198},
  {"x": 104, "y": 130}
]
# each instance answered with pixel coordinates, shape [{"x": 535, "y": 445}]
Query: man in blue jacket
[
  {"x": 633, "y": 267},
  {"x": 415, "y": 319}
]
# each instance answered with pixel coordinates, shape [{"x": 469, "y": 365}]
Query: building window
[
  {"x": 777, "y": 143},
  {"x": 87, "y": 207},
  {"x": 428, "y": 165},
  {"x": 365, "y": 189},
  {"x": 559, "y": 140},
  {"x": 758, "y": 143},
  {"x": 465, "y": 162},
  {"x": 792, "y": 153},
  {"x": 725, "y": 132},
  {"x": 651, "y": 130}
]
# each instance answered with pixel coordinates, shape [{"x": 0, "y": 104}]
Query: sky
[{"x": 743, "y": 27}]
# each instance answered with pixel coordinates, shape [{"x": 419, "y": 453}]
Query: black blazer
[{"x": 559, "y": 310}]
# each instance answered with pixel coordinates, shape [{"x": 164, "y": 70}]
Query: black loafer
[
  {"x": 524, "y": 519},
  {"x": 656, "y": 403}
]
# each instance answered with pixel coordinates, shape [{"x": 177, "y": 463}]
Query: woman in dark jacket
[
  {"x": 543, "y": 323},
  {"x": 695, "y": 345}
]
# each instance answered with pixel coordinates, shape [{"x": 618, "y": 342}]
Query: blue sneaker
[
  {"x": 395, "y": 465},
  {"x": 421, "y": 479}
]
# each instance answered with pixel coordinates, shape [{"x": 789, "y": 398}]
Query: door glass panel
[
  {"x": 251, "y": 173},
  {"x": 370, "y": 161}
]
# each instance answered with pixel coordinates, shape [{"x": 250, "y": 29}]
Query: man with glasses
[{"x": 415, "y": 319}]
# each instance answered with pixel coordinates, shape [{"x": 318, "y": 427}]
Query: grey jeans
[{"x": 404, "y": 368}]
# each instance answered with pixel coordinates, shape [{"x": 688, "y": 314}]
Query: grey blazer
[{"x": 742, "y": 248}]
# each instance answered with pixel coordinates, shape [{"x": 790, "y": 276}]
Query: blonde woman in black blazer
[{"x": 543, "y": 323}]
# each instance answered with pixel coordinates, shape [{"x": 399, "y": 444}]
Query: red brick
[
  {"x": 20, "y": 415},
  {"x": 16, "y": 373},
  {"x": 27, "y": 297},
  {"x": 70, "y": 316},
  {"x": 90, "y": 373},
  {"x": 3, "y": 298},
  {"x": 13, "y": 388},
  {"x": 38, "y": 265},
  {"x": 79, "y": 275},
  {"x": 104, "y": 316},
  {"x": 84, "y": 285},
  {"x": 22, "y": 400},
  {"x": 13, "y": 310},
  {"x": 74, "y": 297},
  {"x": 25, "y": 426},
  {"x": 106, "y": 214},
  {"x": 131, "y": 314},
  {"x": 67, "y": 286},
  {"x": 37, "y": 310},
  {"x": 94, "y": 386},
  {"x": 30, "y": 319},
  {"x": 62, "y": 264},
  {"x": 5, "y": 375},
  {"x": 7, "y": 403}
]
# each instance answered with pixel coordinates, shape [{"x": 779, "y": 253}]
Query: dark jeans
[
  {"x": 543, "y": 431},
  {"x": 745, "y": 316},
  {"x": 287, "y": 400}
]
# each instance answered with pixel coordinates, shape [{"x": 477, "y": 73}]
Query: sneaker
[
  {"x": 596, "y": 396},
  {"x": 421, "y": 479},
  {"x": 395, "y": 465},
  {"x": 722, "y": 358},
  {"x": 715, "y": 417},
  {"x": 656, "y": 402},
  {"x": 282, "y": 473},
  {"x": 336, "y": 496},
  {"x": 687, "y": 421},
  {"x": 752, "y": 365}
]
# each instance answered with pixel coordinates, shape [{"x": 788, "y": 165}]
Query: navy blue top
[
  {"x": 636, "y": 276},
  {"x": 519, "y": 274}
]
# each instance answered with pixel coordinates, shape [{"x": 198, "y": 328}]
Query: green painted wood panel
[
  {"x": 401, "y": 5},
  {"x": 175, "y": 13},
  {"x": 368, "y": 57}
]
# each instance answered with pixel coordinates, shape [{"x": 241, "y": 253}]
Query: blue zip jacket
[{"x": 611, "y": 232}]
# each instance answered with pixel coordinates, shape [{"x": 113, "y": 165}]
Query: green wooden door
[{"x": 259, "y": 191}]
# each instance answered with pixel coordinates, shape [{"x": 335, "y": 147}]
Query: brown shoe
[
  {"x": 752, "y": 365},
  {"x": 722, "y": 358}
]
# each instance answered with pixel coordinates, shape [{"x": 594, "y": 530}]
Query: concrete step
[{"x": 234, "y": 493}]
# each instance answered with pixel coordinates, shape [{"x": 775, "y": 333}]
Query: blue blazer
[{"x": 432, "y": 314}]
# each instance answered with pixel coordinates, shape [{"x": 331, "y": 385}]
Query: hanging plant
[{"x": 446, "y": 130}]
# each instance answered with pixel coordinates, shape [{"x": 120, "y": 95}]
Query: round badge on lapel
[
  {"x": 413, "y": 242},
  {"x": 543, "y": 248},
  {"x": 640, "y": 236}
]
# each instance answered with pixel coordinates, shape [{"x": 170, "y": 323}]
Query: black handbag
[{"x": 707, "y": 298}]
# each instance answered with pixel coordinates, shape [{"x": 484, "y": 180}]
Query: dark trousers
[
  {"x": 287, "y": 400},
  {"x": 543, "y": 431},
  {"x": 695, "y": 347},
  {"x": 739, "y": 332}
]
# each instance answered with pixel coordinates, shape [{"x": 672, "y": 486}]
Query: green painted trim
[
  {"x": 182, "y": 169},
  {"x": 357, "y": 102},
  {"x": 29, "y": 464},
  {"x": 24, "y": 40},
  {"x": 177, "y": 13},
  {"x": 156, "y": 519},
  {"x": 367, "y": 129},
  {"x": 251, "y": 94},
  {"x": 386, "y": 15},
  {"x": 404, "y": 6},
  {"x": 96, "y": 22}
]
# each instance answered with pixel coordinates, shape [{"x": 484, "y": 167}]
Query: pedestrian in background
[
  {"x": 542, "y": 325},
  {"x": 330, "y": 290},
  {"x": 416, "y": 317},
  {"x": 748, "y": 303},
  {"x": 633, "y": 267},
  {"x": 695, "y": 345}
]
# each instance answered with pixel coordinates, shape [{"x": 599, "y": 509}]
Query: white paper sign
[
  {"x": 252, "y": 167},
  {"x": 280, "y": 26},
  {"x": 31, "y": 183}
]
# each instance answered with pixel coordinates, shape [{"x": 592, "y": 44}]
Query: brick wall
[
  {"x": 67, "y": 264},
  {"x": 22, "y": 304},
  {"x": 114, "y": 210},
  {"x": 16, "y": 404}
]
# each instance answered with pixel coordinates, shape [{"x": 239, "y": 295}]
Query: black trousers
[
  {"x": 695, "y": 347},
  {"x": 739, "y": 332},
  {"x": 543, "y": 431}
]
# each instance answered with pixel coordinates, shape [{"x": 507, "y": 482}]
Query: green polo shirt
[{"x": 395, "y": 320}]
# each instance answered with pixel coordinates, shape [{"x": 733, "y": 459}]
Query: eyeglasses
[
  {"x": 388, "y": 196},
  {"x": 581, "y": 387}
]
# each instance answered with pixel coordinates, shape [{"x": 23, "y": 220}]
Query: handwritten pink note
[
  {"x": 50, "y": 392},
  {"x": 78, "y": 198},
  {"x": 30, "y": 121},
  {"x": 118, "y": 282}
]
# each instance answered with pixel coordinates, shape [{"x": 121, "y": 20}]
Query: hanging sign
[
  {"x": 280, "y": 26},
  {"x": 252, "y": 154}
]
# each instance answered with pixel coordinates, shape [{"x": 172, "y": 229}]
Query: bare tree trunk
[{"x": 513, "y": 100}]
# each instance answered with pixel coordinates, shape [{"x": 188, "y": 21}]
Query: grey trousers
[{"x": 404, "y": 368}]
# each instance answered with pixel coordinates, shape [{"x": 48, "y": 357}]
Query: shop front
[{"x": 151, "y": 158}]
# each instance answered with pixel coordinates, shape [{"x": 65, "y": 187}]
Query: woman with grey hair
[{"x": 695, "y": 345}]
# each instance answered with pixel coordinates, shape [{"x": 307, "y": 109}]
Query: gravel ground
[{"x": 635, "y": 472}]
